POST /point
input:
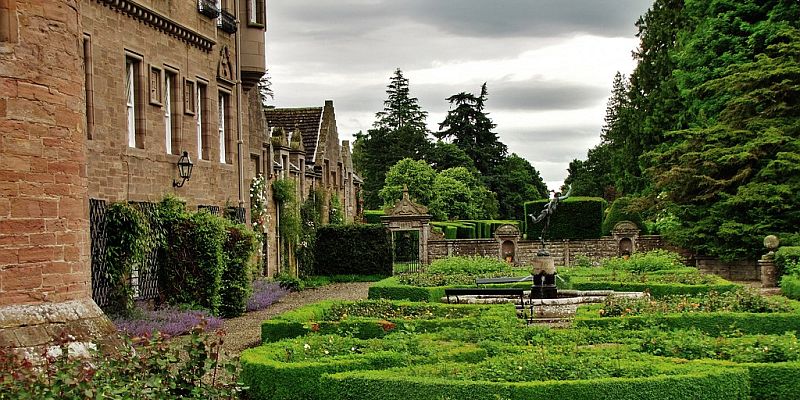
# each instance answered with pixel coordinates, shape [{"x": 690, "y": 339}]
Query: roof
[{"x": 306, "y": 119}]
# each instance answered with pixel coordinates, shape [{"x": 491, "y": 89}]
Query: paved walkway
[{"x": 245, "y": 331}]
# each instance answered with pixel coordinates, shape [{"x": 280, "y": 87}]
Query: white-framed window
[
  {"x": 132, "y": 92},
  {"x": 198, "y": 112},
  {"x": 256, "y": 12},
  {"x": 222, "y": 128},
  {"x": 169, "y": 79}
]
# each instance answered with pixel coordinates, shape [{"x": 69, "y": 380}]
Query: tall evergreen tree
[
  {"x": 470, "y": 128},
  {"x": 399, "y": 132}
]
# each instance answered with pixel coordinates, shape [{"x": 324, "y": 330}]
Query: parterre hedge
[
  {"x": 393, "y": 384},
  {"x": 575, "y": 218},
  {"x": 353, "y": 249},
  {"x": 655, "y": 289},
  {"x": 715, "y": 323},
  {"x": 327, "y": 317}
]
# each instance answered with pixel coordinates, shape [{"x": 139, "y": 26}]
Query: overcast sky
[{"x": 549, "y": 64}]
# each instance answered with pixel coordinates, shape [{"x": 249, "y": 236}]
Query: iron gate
[{"x": 405, "y": 251}]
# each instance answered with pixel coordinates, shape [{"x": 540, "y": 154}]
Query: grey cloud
[{"x": 471, "y": 18}]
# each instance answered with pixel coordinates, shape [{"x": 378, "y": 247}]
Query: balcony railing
[
  {"x": 227, "y": 22},
  {"x": 208, "y": 8}
]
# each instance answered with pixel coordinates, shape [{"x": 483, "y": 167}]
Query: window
[
  {"x": 171, "y": 120},
  {"x": 256, "y": 13},
  {"x": 88, "y": 71},
  {"x": 8, "y": 21},
  {"x": 201, "y": 118},
  {"x": 224, "y": 129},
  {"x": 133, "y": 101}
]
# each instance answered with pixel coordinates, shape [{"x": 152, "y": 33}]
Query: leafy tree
[
  {"x": 515, "y": 182},
  {"x": 417, "y": 175},
  {"x": 593, "y": 177},
  {"x": 398, "y": 132},
  {"x": 470, "y": 128},
  {"x": 443, "y": 155},
  {"x": 738, "y": 178}
]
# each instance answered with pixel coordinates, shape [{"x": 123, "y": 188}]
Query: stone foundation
[{"x": 30, "y": 330}]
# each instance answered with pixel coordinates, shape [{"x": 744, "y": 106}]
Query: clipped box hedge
[
  {"x": 655, "y": 289},
  {"x": 706, "y": 383},
  {"x": 353, "y": 250},
  {"x": 391, "y": 289},
  {"x": 315, "y": 318},
  {"x": 714, "y": 323},
  {"x": 768, "y": 381},
  {"x": 575, "y": 218}
]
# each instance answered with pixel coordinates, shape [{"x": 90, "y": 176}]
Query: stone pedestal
[
  {"x": 768, "y": 272},
  {"x": 544, "y": 278}
]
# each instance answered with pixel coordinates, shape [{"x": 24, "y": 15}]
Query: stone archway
[
  {"x": 507, "y": 237},
  {"x": 405, "y": 216},
  {"x": 625, "y": 234}
]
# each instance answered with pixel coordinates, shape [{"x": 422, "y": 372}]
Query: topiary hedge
[
  {"x": 575, "y": 218},
  {"x": 353, "y": 249},
  {"x": 619, "y": 211},
  {"x": 373, "y": 216}
]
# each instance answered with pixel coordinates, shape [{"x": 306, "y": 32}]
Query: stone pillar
[
  {"x": 45, "y": 273},
  {"x": 766, "y": 265},
  {"x": 768, "y": 272}
]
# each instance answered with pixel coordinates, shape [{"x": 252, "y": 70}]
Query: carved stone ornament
[
  {"x": 407, "y": 207},
  {"x": 224, "y": 69},
  {"x": 625, "y": 226},
  {"x": 506, "y": 230}
]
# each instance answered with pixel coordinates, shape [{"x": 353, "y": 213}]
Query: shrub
[
  {"x": 147, "y": 368},
  {"x": 575, "y": 218},
  {"x": 790, "y": 286},
  {"x": 335, "y": 214},
  {"x": 620, "y": 211},
  {"x": 353, "y": 249},
  {"x": 655, "y": 260},
  {"x": 714, "y": 324},
  {"x": 467, "y": 265},
  {"x": 787, "y": 259},
  {"x": 236, "y": 286},
  {"x": 193, "y": 260},
  {"x": 127, "y": 243}
]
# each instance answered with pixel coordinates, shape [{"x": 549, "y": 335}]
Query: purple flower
[
  {"x": 169, "y": 321},
  {"x": 265, "y": 294}
]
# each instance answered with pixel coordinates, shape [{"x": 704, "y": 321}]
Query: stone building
[
  {"x": 306, "y": 149},
  {"x": 99, "y": 99}
]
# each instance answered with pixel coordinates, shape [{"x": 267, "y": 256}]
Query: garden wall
[{"x": 567, "y": 251}]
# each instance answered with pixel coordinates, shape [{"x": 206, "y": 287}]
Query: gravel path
[{"x": 245, "y": 331}]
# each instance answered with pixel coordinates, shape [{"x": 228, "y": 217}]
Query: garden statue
[
  {"x": 544, "y": 270},
  {"x": 547, "y": 212}
]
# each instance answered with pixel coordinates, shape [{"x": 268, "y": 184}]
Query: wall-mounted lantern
[{"x": 184, "y": 169}]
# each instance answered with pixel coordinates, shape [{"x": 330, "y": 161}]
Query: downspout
[{"x": 240, "y": 135}]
